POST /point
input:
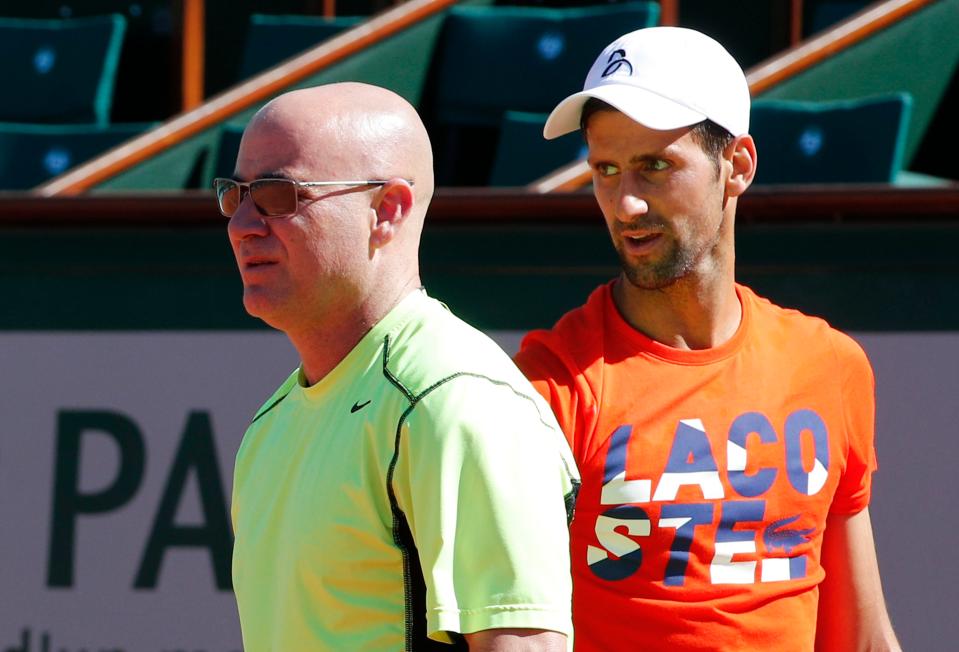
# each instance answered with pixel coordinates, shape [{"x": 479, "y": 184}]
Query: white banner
[
  {"x": 116, "y": 462},
  {"x": 116, "y": 459}
]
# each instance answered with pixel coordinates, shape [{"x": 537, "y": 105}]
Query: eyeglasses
[{"x": 272, "y": 197}]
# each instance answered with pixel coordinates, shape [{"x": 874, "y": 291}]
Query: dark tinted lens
[
  {"x": 227, "y": 196},
  {"x": 274, "y": 197}
]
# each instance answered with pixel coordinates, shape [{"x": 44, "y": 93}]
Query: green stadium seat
[
  {"x": 497, "y": 58},
  {"x": 847, "y": 141},
  {"x": 272, "y": 39},
  {"x": 494, "y": 59},
  {"x": 30, "y": 154},
  {"x": 822, "y": 14},
  {"x": 224, "y": 158},
  {"x": 523, "y": 155},
  {"x": 59, "y": 71}
]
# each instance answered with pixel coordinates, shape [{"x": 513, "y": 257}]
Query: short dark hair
[
  {"x": 712, "y": 138},
  {"x": 591, "y": 108}
]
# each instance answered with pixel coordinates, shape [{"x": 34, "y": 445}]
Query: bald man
[{"x": 405, "y": 487}]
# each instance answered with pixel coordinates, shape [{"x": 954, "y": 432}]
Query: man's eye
[
  {"x": 658, "y": 165},
  {"x": 607, "y": 169}
]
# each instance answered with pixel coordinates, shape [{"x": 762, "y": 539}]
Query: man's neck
[
  {"x": 691, "y": 314},
  {"x": 324, "y": 343}
]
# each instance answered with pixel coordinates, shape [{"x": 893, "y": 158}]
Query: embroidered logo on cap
[{"x": 616, "y": 61}]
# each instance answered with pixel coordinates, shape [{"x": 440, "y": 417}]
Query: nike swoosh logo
[{"x": 359, "y": 406}]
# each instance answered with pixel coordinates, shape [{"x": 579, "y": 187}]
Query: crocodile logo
[{"x": 785, "y": 539}]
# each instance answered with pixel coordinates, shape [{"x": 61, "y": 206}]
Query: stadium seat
[
  {"x": 272, "y": 39},
  {"x": 849, "y": 141},
  {"x": 33, "y": 153},
  {"x": 823, "y": 14},
  {"x": 497, "y": 58},
  {"x": 59, "y": 71},
  {"x": 523, "y": 155},
  {"x": 224, "y": 157},
  {"x": 494, "y": 59}
]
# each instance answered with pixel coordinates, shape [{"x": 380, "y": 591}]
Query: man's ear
[
  {"x": 391, "y": 207},
  {"x": 742, "y": 153}
]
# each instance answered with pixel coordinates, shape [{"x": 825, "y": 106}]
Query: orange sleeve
[
  {"x": 859, "y": 406},
  {"x": 553, "y": 380}
]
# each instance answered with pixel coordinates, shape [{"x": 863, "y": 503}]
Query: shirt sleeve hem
[
  {"x": 467, "y": 621},
  {"x": 849, "y": 507}
]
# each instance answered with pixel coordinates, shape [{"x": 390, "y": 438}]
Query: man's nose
[
  {"x": 631, "y": 202},
  {"x": 247, "y": 220}
]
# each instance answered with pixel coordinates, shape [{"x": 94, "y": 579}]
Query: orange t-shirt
[{"x": 707, "y": 475}]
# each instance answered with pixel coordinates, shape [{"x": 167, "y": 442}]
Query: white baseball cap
[{"x": 663, "y": 78}]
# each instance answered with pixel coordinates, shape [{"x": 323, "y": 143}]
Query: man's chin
[
  {"x": 651, "y": 278},
  {"x": 258, "y": 304}
]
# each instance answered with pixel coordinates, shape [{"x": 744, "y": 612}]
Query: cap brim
[{"x": 645, "y": 107}]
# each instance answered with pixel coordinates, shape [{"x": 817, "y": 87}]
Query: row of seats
[
  {"x": 497, "y": 70},
  {"x": 859, "y": 141},
  {"x": 485, "y": 63},
  {"x": 799, "y": 142},
  {"x": 59, "y": 71},
  {"x": 64, "y": 70},
  {"x": 60, "y": 77}
]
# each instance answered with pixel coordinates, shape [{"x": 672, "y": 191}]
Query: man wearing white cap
[{"x": 725, "y": 444}]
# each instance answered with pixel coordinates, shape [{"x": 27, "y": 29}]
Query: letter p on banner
[{"x": 68, "y": 501}]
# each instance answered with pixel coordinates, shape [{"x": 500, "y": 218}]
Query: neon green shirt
[{"x": 418, "y": 489}]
